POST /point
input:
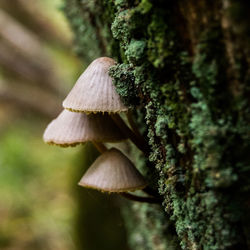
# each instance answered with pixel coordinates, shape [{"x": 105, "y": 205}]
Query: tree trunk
[{"x": 184, "y": 68}]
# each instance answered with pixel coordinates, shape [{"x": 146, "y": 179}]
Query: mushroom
[
  {"x": 94, "y": 92},
  {"x": 70, "y": 129},
  {"x": 114, "y": 172}
]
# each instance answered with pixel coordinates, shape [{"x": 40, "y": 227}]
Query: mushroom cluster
[{"x": 91, "y": 113}]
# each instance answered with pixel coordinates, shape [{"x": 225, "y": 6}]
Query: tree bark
[{"x": 183, "y": 66}]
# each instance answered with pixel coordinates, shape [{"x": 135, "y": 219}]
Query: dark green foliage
[{"x": 197, "y": 124}]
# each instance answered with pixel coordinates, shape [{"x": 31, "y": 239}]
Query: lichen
[
  {"x": 123, "y": 76},
  {"x": 197, "y": 129},
  {"x": 135, "y": 51},
  {"x": 86, "y": 45}
]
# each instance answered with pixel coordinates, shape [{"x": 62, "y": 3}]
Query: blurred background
[{"x": 41, "y": 206}]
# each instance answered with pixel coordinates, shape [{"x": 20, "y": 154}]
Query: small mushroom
[
  {"x": 94, "y": 91},
  {"x": 113, "y": 172},
  {"x": 70, "y": 129}
]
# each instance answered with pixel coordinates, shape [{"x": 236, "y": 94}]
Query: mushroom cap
[
  {"x": 113, "y": 172},
  {"x": 70, "y": 129},
  {"x": 94, "y": 90}
]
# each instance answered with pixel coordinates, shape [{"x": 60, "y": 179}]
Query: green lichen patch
[
  {"x": 196, "y": 124},
  {"x": 123, "y": 76}
]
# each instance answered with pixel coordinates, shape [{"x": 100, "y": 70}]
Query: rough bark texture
[{"x": 184, "y": 68}]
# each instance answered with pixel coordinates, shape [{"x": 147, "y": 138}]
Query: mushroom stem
[
  {"x": 140, "y": 198},
  {"x": 133, "y": 125},
  {"x": 150, "y": 191},
  {"x": 100, "y": 146},
  {"x": 139, "y": 142}
]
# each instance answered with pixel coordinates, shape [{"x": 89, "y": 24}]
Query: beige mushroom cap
[
  {"x": 113, "y": 172},
  {"x": 70, "y": 129},
  {"x": 94, "y": 90}
]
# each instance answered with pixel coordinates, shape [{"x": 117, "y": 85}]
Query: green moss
[
  {"x": 159, "y": 48},
  {"x": 123, "y": 76},
  {"x": 150, "y": 220},
  {"x": 135, "y": 51},
  {"x": 144, "y": 6},
  {"x": 197, "y": 130},
  {"x": 120, "y": 27},
  {"x": 86, "y": 44}
]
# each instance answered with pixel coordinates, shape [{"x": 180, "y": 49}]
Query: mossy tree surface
[{"x": 184, "y": 67}]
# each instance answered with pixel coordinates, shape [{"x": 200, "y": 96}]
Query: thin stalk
[
  {"x": 100, "y": 146},
  {"x": 140, "y": 198},
  {"x": 133, "y": 125},
  {"x": 150, "y": 191},
  {"x": 141, "y": 144}
]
